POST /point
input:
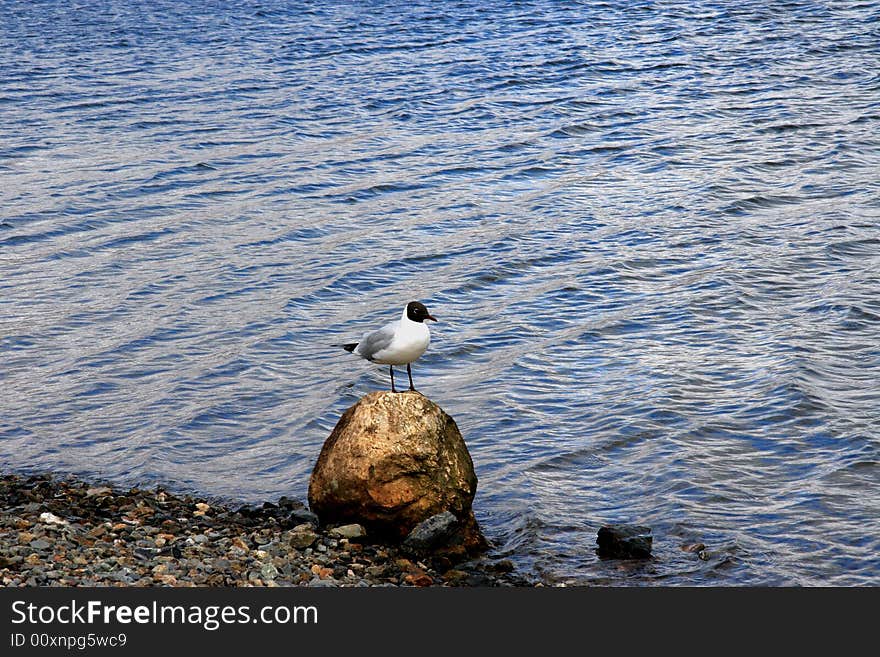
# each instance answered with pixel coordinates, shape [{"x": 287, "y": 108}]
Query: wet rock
[
  {"x": 431, "y": 533},
  {"x": 624, "y": 542},
  {"x": 285, "y": 502},
  {"x": 300, "y": 516},
  {"x": 392, "y": 461},
  {"x": 502, "y": 566},
  {"x": 699, "y": 549}
]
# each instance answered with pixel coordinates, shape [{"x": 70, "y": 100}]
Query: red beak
[{"x": 432, "y": 318}]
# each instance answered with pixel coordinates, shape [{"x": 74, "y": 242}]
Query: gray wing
[{"x": 372, "y": 343}]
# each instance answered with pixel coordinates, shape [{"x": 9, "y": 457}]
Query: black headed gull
[{"x": 397, "y": 343}]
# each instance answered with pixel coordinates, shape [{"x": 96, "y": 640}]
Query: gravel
[{"x": 65, "y": 532}]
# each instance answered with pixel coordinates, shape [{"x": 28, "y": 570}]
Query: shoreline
[{"x": 64, "y": 531}]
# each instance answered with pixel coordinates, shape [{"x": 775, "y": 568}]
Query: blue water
[{"x": 650, "y": 231}]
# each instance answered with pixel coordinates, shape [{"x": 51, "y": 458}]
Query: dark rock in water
[
  {"x": 624, "y": 542},
  {"x": 431, "y": 533},
  {"x": 503, "y": 566},
  {"x": 286, "y": 503},
  {"x": 391, "y": 462}
]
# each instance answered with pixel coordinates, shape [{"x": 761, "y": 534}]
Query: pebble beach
[{"x": 57, "y": 531}]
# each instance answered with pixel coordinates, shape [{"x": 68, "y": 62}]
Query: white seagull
[{"x": 397, "y": 343}]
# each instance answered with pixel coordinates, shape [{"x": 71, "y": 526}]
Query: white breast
[{"x": 410, "y": 341}]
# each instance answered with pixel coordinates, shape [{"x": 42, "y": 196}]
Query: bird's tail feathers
[{"x": 348, "y": 347}]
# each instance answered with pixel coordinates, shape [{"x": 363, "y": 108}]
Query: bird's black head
[{"x": 416, "y": 312}]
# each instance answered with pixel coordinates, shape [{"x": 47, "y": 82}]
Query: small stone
[
  {"x": 353, "y": 530},
  {"x": 300, "y": 516},
  {"x": 98, "y": 531},
  {"x": 98, "y": 490},
  {"x": 40, "y": 544},
  {"x": 376, "y": 571},
  {"x": 406, "y": 565},
  {"x": 51, "y": 519},
  {"x": 454, "y": 575},
  {"x": 321, "y": 571},
  {"x": 693, "y": 547},
  {"x": 323, "y": 582},
  {"x": 419, "y": 579},
  {"x": 268, "y": 571},
  {"x": 302, "y": 537}
]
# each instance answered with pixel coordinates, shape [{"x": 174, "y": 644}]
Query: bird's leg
[
  {"x": 391, "y": 368},
  {"x": 409, "y": 372}
]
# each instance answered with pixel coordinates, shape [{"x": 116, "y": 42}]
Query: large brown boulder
[{"x": 392, "y": 461}]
